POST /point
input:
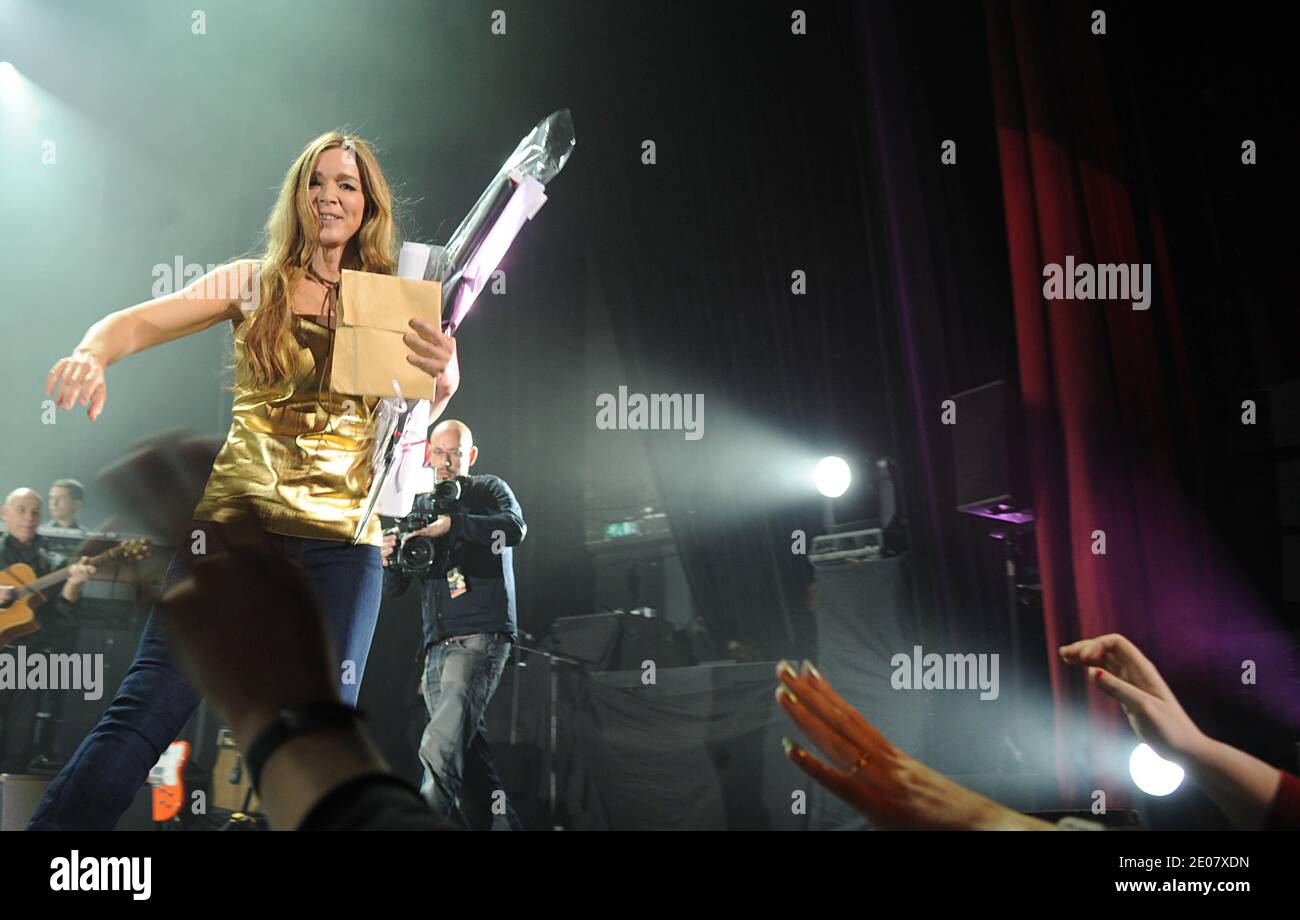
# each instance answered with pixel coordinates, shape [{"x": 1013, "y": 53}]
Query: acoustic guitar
[{"x": 18, "y": 618}]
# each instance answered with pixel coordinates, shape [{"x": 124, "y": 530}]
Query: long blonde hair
[{"x": 291, "y": 241}]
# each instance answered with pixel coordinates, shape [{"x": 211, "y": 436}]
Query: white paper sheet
[{"x": 409, "y": 476}]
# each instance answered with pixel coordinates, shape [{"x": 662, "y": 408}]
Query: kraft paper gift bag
[{"x": 374, "y": 312}]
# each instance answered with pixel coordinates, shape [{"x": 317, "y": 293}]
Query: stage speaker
[
  {"x": 591, "y": 639},
  {"x": 635, "y": 573},
  {"x": 19, "y": 796},
  {"x": 989, "y": 454},
  {"x": 618, "y": 641},
  {"x": 75, "y": 716},
  {"x": 649, "y": 639}
]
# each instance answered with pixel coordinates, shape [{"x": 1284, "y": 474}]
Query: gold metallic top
[{"x": 297, "y": 452}]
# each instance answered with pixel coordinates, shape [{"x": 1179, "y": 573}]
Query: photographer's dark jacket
[{"x": 488, "y": 507}]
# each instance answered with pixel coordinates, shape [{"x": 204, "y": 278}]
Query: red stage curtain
[{"x": 1106, "y": 387}]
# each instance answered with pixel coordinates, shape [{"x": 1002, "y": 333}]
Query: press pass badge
[{"x": 456, "y": 583}]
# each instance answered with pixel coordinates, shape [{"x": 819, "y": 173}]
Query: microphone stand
[{"x": 552, "y": 715}]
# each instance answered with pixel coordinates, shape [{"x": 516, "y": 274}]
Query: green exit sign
[{"x": 621, "y": 529}]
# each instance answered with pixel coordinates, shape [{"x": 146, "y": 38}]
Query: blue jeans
[
  {"x": 155, "y": 700},
  {"x": 460, "y": 780}
]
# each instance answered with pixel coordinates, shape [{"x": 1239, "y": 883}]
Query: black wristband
[{"x": 289, "y": 724}]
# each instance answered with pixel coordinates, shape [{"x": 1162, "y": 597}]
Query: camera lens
[{"x": 417, "y": 553}]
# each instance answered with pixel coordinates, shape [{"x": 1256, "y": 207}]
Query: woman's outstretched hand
[
  {"x": 893, "y": 790},
  {"x": 80, "y": 379},
  {"x": 1119, "y": 669},
  {"x": 1243, "y": 786}
]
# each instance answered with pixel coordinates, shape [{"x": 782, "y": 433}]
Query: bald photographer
[{"x": 456, "y": 546}]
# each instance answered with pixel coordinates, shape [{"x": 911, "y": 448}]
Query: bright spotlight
[
  {"x": 832, "y": 477},
  {"x": 1152, "y": 773},
  {"x": 7, "y": 73}
]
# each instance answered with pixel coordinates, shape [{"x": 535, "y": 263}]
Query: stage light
[
  {"x": 832, "y": 477},
  {"x": 1152, "y": 773},
  {"x": 8, "y": 75}
]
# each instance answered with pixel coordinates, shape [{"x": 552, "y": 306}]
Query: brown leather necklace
[
  {"x": 329, "y": 315},
  {"x": 330, "y": 304}
]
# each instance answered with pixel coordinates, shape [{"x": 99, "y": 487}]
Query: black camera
[{"x": 418, "y": 554}]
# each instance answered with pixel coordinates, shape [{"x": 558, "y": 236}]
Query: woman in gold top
[{"x": 298, "y": 452}]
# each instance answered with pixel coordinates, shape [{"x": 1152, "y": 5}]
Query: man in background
[
  {"x": 467, "y": 603},
  {"x": 66, "y": 498},
  {"x": 22, "y": 746}
]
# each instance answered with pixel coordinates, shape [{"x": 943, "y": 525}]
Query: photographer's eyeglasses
[{"x": 441, "y": 455}]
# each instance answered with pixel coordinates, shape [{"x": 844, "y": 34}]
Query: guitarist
[{"x": 21, "y": 514}]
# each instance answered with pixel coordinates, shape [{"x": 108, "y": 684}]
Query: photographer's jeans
[
  {"x": 155, "y": 699},
  {"x": 460, "y": 781}
]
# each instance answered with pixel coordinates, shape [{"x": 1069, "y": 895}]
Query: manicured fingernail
[
  {"x": 811, "y": 669},
  {"x": 786, "y": 668},
  {"x": 787, "y": 692},
  {"x": 787, "y": 744},
  {"x": 1096, "y": 675}
]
